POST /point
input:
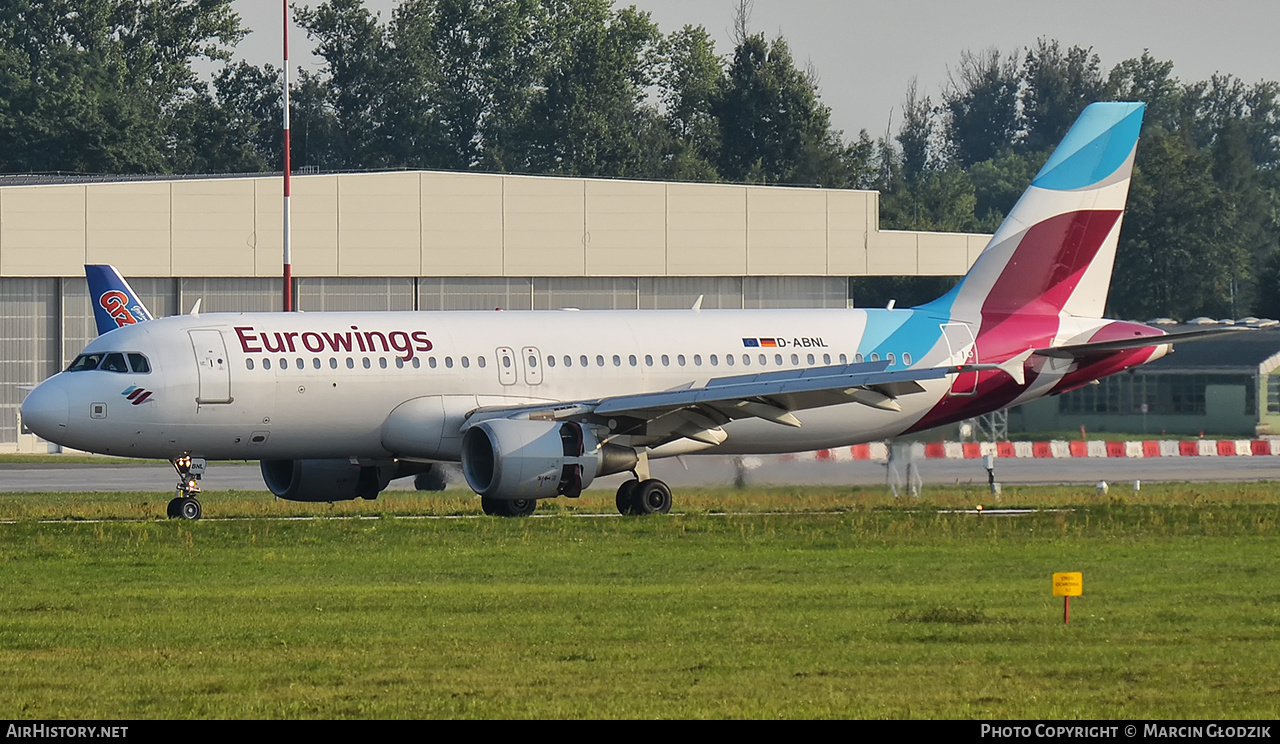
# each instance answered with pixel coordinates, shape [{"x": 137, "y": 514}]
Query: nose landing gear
[{"x": 184, "y": 504}]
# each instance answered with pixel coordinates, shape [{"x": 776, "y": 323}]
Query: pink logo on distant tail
[{"x": 116, "y": 303}]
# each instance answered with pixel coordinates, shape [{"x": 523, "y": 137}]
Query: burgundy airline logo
[
  {"x": 116, "y": 303},
  {"x": 136, "y": 395},
  {"x": 404, "y": 343}
]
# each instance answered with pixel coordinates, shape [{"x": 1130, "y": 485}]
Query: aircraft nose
[{"x": 46, "y": 410}]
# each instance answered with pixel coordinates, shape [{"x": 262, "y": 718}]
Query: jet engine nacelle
[
  {"x": 528, "y": 459},
  {"x": 325, "y": 480}
]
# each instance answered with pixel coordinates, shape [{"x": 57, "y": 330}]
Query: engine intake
[{"x": 527, "y": 459}]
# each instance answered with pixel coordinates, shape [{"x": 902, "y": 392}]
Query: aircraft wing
[
  {"x": 697, "y": 411},
  {"x": 1072, "y": 351}
]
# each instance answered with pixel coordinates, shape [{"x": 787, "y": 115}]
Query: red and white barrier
[{"x": 1053, "y": 449}]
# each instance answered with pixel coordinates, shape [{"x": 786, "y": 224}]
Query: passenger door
[{"x": 211, "y": 361}]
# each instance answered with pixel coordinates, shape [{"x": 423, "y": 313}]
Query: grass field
[{"x": 798, "y": 603}]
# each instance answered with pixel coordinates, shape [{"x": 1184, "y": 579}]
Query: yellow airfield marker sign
[{"x": 1067, "y": 585}]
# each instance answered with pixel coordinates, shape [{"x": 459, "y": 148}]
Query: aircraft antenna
[{"x": 288, "y": 248}]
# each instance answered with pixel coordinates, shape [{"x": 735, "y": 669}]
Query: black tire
[
  {"x": 189, "y": 508},
  {"x": 626, "y": 498},
  {"x": 432, "y": 480},
  {"x": 508, "y": 507},
  {"x": 173, "y": 511},
  {"x": 652, "y": 497}
]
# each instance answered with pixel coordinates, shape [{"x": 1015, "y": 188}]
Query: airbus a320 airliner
[{"x": 539, "y": 404}]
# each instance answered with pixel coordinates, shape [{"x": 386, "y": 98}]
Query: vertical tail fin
[
  {"x": 115, "y": 303},
  {"x": 1054, "y": 252}
]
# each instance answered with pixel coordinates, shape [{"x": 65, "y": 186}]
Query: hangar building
[{"x": 427, "y": 241}]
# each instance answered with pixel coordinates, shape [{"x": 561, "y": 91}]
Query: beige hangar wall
[{"x": 420, "y": 223}]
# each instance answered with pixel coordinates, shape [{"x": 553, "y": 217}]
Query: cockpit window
[
  {"x": 114, "y": 362},
  {"x": 85, "y": 361},
  {"x": 139, "y": 363}
]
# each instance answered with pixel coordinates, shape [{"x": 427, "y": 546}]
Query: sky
[{"x": 866, "y": 53}]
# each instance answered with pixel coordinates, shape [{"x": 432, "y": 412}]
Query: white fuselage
[{"x": 323, "y": 385}]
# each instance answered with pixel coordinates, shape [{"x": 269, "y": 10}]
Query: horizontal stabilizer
[{"x": 1081, "y": 350}]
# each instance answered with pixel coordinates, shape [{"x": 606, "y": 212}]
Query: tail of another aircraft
[
  {"x": 115, "y": 303},
  {"x": 1054, "y": 252}
]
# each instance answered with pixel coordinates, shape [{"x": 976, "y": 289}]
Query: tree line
[{"x": 587, "y": 88}]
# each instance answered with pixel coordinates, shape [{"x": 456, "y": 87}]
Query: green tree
[
  {"x": 1175, "y": 257},
  {"x": 691, "y": 80},
  {"x": 1152, "y": 82},
  {"x": 1056, "y": 86},
  {"x": 357, "y": 85},
  {"x": 101, "y": 85},
  {"x": 915, "y": 136},
  {"x": 999, "y": 182},
  {"x": 466, "y": 71},
  {"x": 775, "y": 127},
  {"x": 586, "y": 117},
  {"x": 980, "y": 103}
]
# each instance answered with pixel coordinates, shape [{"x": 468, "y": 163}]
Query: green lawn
[{"x": 858, "y": 609}]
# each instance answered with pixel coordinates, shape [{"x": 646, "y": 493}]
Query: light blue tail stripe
[{"x": 1098, "y": 144}]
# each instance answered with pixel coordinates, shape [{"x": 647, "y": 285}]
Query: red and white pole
[{"x": 288, "y": 248}]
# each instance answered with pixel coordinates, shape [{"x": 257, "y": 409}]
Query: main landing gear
[
  {"x": 184, "y": 504},
  {"x": 649, "y": 496}
]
